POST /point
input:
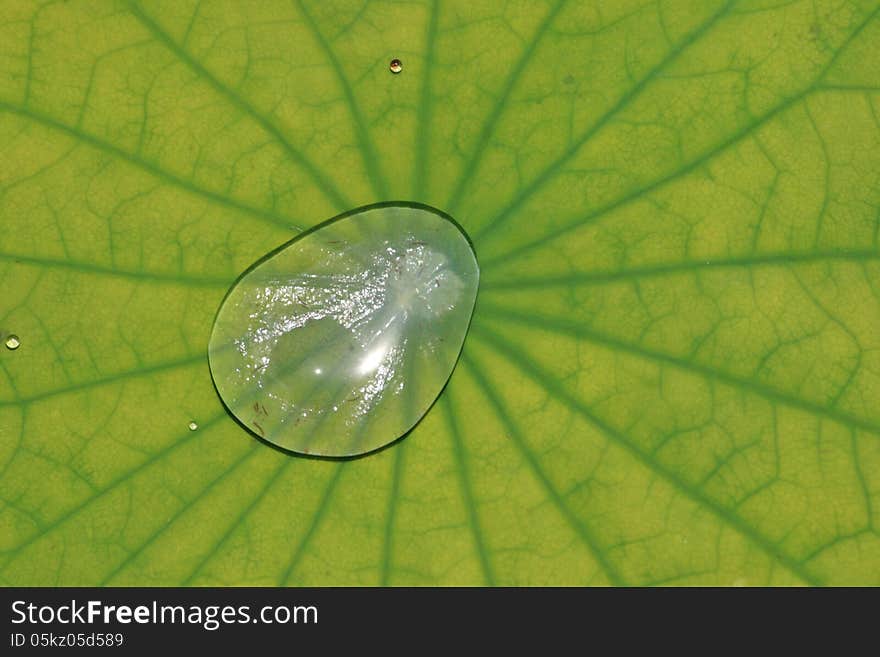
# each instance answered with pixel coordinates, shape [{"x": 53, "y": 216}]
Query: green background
[{"x": 673, "y": 371}]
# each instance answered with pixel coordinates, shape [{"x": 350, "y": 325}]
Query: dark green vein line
[
  {"x": 324, "y": 183},
  {"x": 33, "y": 175},
  {"x": 863, "y": 481},
  {"x": 861, "y": 89},
  {"x": 368, "y": 151},
  {"x": 579, "y": 526},
  {"x": 149, "y": 167},
  {"x": 420, "y": 176},
  {"x": 393, "y": 497},
  {"x": 139, "y": 276},
  {"x": 855, "y": 33},
  {"x": 654, "y": 185},
  {"x": 467, "y": 492},
  {"x": 840, "y": 539},
  {"x": 284, "y": 462},
  {"x": 547, "y": 174},
  {"x": 16, "y": 449},
  {"x": 499, "y": 107},
  {"x": 578, "y": 330},
  {"x": 317, "y": 517},
  {"x": 191, "y": 22},
  {"x": 253, "y": 449},
  {"x": 112, "y": 378},
  {"x": 551, "y": 383},
  {"x": 688, "y": 168},
  {"x": 696, "y": 266},
  {"x": 126, "y": 476}
]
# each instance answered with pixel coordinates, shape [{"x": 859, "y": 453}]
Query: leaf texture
[{"x": 673, "y": 372}]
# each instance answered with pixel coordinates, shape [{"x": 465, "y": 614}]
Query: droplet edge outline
[{"x": 303, "y": 234}]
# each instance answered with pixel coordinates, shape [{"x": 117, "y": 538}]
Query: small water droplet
[
  {"x": 12, "y": 342},
  {"x": 326, "y": 330},
  {"x": 396, "y": 66},
  {"x": 193, "y": 425}
]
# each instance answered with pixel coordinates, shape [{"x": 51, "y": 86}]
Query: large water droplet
[{"x": 338, "y": 342}]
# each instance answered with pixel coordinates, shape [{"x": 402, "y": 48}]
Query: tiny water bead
[
  {"x": 193, "y": 425},
  {"x": 395, "y": 66},
  {"x": 12, "y": 342},
  {"x": 338, "y": 342}
]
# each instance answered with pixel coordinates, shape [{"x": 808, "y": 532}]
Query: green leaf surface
[{"x": 673, "y": 371}]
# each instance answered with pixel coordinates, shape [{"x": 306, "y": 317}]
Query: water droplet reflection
[{"x": 314, "y": 346}]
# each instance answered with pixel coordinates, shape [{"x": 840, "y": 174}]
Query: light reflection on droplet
[
  {"x": 373, "y": 358},
  {"x": 193, "y": 425},
  {"x": 396, "y": 66},
  {"x": 12, "y": 342}
]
